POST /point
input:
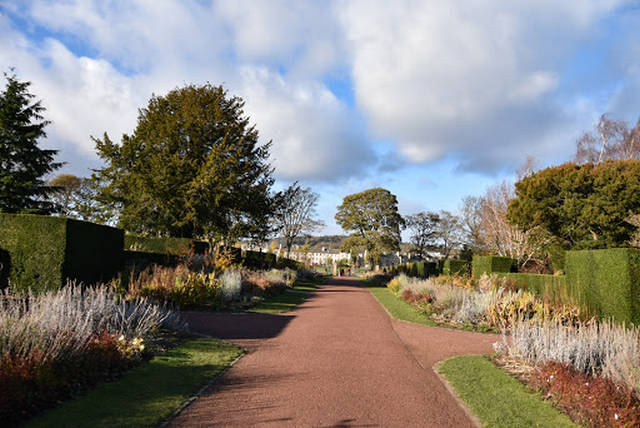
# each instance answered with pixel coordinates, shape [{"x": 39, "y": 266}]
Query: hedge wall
[
  {"x": 175, "y": 246},
  {"x": 455, "y": 267},
  {"x": 45, "y": 251},
  {"x": 283, "y": 263},
  {"x": 554, "y": 286},
  {"x": 492, "y": 264},
  {"x": 607, "y": 282},
  {"x": 258, "y": 260}
]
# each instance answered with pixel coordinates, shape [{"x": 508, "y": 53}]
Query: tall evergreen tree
[
  {"x": 193, "y": 167},
  {"x": 23, "y": 164}
]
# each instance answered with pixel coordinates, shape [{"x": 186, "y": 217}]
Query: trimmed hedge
[
  {"x": 141, "y": 260},
  {"x": 174, "y": 246},
  {"x": 455, "y": 267},
  {"x": 554, "y": 286},
  {"x": 492, "y": 264},
  {"x": 606, "y": 282},
  {"x": 46, "y": 251},
  {"x": 258, "y": 260},
  {"x": 284, "y": 263}
]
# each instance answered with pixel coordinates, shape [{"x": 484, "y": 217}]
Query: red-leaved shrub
[
  {"x": 592, "y": 400},
  {"x": 411, "y": 297},
  {"x": 30, "y": 384}
]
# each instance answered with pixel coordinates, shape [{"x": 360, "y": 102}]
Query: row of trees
[
  {"x": 193, "y": 167},
  {"x": 593, "y": 202}
]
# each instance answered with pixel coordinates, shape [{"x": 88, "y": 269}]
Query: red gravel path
[{"x": 338, "y": 360}]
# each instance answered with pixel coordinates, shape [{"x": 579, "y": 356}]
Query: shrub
[
  {"x": 267, "y": 282},
  {"x": 455, "y": 267},
  {"x": 593, "y": 348},
  {"x": 57, "y": 342},
  {"x": 164, "y": 245},
  {"x": 606, "y": 282},
  {"x": 492, "y": 264},
  {"x": 231, "y": 285},
  {"x": 258, "y": 261},
  {"x": 46, "y": 251},
  {"x": 177, "y": 286},
  {"x": 591, "y": 400}
]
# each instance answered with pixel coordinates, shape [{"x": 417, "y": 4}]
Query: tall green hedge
[
  {"x": 455, "y": 267},
  {"x": 492, "y": 264},
  {"x": 554, "y": 286},
  {"x": 174, "y": 246},
  {"x": 46, "y": 251},
  {"x": 607, "y": 282},
  {"x": 258, "y": 260}
]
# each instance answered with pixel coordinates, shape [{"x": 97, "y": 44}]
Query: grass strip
[
  {"x": 398, "y": 308},
  {"x": 288, "y": 299},
  {"x": 497, "y": 398},
  {"x": 282, "y": 302},
  {"x": 149, "y": 393}
]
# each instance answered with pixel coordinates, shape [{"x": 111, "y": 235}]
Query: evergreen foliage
[
  {"x": 46, "y": 251},
  {"x": 193, "y": 167},
  {"x": 492, "y": 264},
  {"x": 22, "y": 163},
  {"x": 583, "y": 206}
]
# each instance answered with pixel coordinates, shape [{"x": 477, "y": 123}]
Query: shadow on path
[{"x": 233, "y": 326}]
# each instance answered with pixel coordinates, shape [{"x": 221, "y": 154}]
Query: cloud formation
[
  {"x": 476, "y": 79},
  {"x": 484, "y": 83}
]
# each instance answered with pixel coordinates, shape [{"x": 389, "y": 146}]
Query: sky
[{"x": 432, "y": 100}]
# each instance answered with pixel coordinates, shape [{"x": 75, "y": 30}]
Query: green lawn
[
  {"x": 288, "y": 299},
  {"x": 398, "y": 308},
  {"x": 148, "y": 394},
  {"x": 496, "y": 398}
]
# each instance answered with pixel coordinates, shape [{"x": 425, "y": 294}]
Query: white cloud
[
  {"x": 314, "y": 134},
  {"x": 475, "y": 79},
  {"x": 479, "y": 81},
  {"x": 143, "y": 47}
]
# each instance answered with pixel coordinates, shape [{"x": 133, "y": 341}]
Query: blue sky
[{"x": 431, "y": 100}]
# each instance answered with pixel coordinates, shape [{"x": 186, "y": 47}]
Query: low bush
[
  {"x": 593, "y": 348},
  {"x": 460, "y": 301},
  {"x": 262, "y": 283},
  {"x": 230, "y": 285},
  {"x": 175, "y": 286},
  {"x": 56, "y": 343},
  {"x": 590, "y": 400}
]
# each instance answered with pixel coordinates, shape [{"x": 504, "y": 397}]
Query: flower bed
[
  {"x": 59, "y": 343},
  {"x": 482, "y": 305}
]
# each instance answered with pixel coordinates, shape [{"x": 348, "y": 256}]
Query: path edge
[
  {"x": 454, "y": 393},
  {"x": 197, "y": 395}
]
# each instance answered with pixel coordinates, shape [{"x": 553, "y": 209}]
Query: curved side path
[{"x": 338, "y": 360}]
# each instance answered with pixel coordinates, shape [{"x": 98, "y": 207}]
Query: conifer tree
[{"x": 23, "y": 164}]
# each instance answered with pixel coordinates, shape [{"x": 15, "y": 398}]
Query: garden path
[{"x": 338, "y": 360}]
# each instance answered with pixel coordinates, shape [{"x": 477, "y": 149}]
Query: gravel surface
[{"x": 338, "y": 360}]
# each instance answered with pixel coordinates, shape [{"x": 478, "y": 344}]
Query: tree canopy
[
  {"x": 193, "y": 167},
  {"x": 424, "y": 231},
  {"x": 295, "y": 212},
  {"x": 374, "y": 222},
  {"x": 581, "y": 205},
  {"x": 23, "y": 164}
]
